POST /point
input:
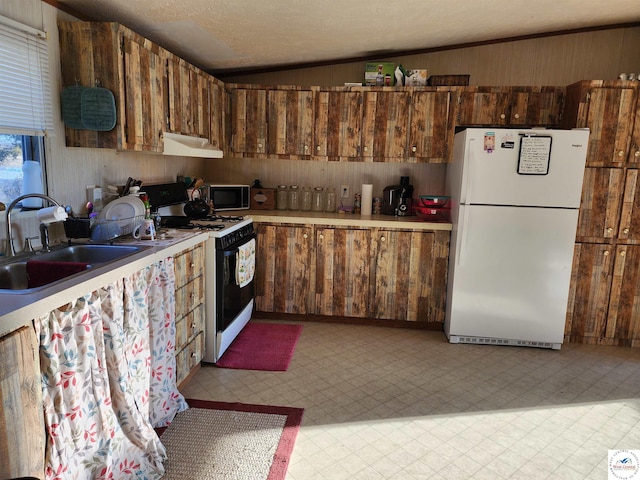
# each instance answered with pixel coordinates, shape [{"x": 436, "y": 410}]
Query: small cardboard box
[
  {"x": 263, "y": 198},
  {"x": 416, "y": 78},
  {"x": 380, "y": 74}
]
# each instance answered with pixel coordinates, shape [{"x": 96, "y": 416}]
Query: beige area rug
[{"x": 230, "y": 441}]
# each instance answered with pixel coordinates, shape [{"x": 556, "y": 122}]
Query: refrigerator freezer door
[
  {"x": 509, "y": 273},
  {"x": 490, "y": 176}
]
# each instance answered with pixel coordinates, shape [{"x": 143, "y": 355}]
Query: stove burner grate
[{"x": 224, "y": 218}]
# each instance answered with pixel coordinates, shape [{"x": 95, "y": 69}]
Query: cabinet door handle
[
  {"x": 517, "y": 115},
  {"x": 383, "y": 239},
  {"x": 192, "y": 265},
  {"x": 193, "y": 355},
  {"x": 623, "y": 253},
  {"x": 625, "y": 231},
  {"x": 321, "y": 236},
  {"x": 366, "y": 149},
  {"x": 193, "y": 326},
  {"x": 305, "y": 236},
  {"x": 414, "y": 149},
  {"x": 192, "y": 295},
  {"x": 606, "y": 253},
  {"x": 620, "y": 153},
  {"x": 609, "y": 229},
  {"x": 318, "y": 148},
  {"x": 306, "y": 147},
  {"x": 637, "y": 154},
  {"x": 503, "y": 116}
]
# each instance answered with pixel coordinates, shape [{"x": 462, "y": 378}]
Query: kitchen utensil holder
[{"x": 79, "y": 227}]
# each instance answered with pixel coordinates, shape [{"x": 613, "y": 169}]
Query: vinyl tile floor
[{"x": 387, "y": 403}]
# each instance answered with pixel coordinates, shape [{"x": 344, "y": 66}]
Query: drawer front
[
  {"x": 189, "y": 265},
  {"x": 189, "y": 357},
  {"x": 189, "y": 326},
  {"x": 189, "y": 296}
]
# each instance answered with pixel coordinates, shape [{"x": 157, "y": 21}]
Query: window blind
[{"x": 25, "y": 92}]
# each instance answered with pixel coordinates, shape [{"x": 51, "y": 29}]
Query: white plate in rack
[{"x": 124, "y": 211}]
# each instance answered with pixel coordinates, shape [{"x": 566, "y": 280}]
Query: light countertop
[
  {"x": 341, "y": 219},
  {"x": 18, "y": 309}
]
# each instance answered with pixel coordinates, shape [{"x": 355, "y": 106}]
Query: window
[{"x": 25, "y": 109}]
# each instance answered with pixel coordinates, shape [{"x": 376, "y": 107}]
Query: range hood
[{"x": 186, "y": 146}]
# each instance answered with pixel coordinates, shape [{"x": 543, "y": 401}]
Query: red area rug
[
  {"x": 262, "y": 346},
  {"x": 230, "y": 441}
]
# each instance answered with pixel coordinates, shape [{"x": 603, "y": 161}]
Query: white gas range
[{"x": 229, "y": 283}]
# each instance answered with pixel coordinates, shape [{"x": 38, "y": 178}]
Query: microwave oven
[{"x": 229, "y": 197}]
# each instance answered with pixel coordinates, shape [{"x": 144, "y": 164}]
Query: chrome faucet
[{"x": 10, "y": 250}]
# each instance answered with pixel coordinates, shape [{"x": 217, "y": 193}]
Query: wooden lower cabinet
[
  {"x": 604, "y": 299},
  {"x": 409, "y": 275},
  {"x": 352, "y": 272},
  {"x": 283, "y": 275},
  {"x": 190, "y": 312},
  {"x": 22, "y": 430},
  {"x": 342, "y": 272}
]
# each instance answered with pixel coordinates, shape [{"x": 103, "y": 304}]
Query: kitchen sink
[
  {"x": 13, "y": 272},
  {"x": 91, "y": 254}
]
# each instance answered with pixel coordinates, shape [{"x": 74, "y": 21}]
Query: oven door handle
[{"x": 228, "y": 253}]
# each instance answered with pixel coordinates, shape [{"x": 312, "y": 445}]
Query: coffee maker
[{"x": 398, "y": 199}]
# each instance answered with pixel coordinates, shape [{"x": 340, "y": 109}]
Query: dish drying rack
[{"x": 81, "y": 227}]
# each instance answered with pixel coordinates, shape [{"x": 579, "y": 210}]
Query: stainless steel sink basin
[
  {"x": 13, "y": 273},
  {"x": 91, "y": 254}
]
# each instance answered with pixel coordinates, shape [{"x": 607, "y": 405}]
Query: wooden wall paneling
[
  {"x": 623, "y": 322},
  {"x": 589, "y": 292},
  {"x": 600, "y": 204}
]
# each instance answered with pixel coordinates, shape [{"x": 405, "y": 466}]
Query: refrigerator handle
[
  {"x": 467, "y": 172},
  {"x": 462, "y": 244}
]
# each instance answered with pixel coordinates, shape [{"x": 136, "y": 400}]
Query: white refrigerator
[{"x": 515, "y": 195}]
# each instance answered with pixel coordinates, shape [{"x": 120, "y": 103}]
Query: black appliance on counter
[{"x": 398, "y": 199}]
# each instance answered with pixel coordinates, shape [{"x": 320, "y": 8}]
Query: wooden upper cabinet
[
  {"x": 144, "y": 92},
  {"x": 338, "y": 124},
  {"x": 218, "y": 108},
  {"x": 483, "y": 106},
  {"x": 608, "y": 109},
  {"x": 384, "y": 125},
  {"x": 131, "y": 67},
  {"x": 290, "y": 122},
  {"x": 189, "y": 108},
  {"x": 510, "y": 106},
  {"x": 248, "y": 120},
  {"x": 598, "y": 217},
  {"x": 430, "y": 127},
  {"x": 633, "y": 159}
]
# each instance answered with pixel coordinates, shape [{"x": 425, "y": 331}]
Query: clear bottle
[
  {"x": 305, "y": 199},
  {"x": 294, "y": 198},
  {"x": 281, "y": 197},
  {"x": 318, "y": 200},
  {"x": 330, "y": 201}
]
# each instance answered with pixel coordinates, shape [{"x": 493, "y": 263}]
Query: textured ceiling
[{"x": 226, "y": 35}]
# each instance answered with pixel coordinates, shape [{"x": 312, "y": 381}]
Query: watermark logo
[{"x": 624, "y": 464}]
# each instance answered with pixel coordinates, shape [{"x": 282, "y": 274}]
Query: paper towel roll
[
  {"x": 51, "y": 214},
  {"x": 367, "y": 199}
]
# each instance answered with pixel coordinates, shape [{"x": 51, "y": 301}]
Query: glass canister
[
  {"x": 282, "y": 197},
  {"x": 305, "y": 199},
  {"x": 294, "y": 198},
  {"x": 330, "y": 200},
  {"x": 317, "y": 203}
]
